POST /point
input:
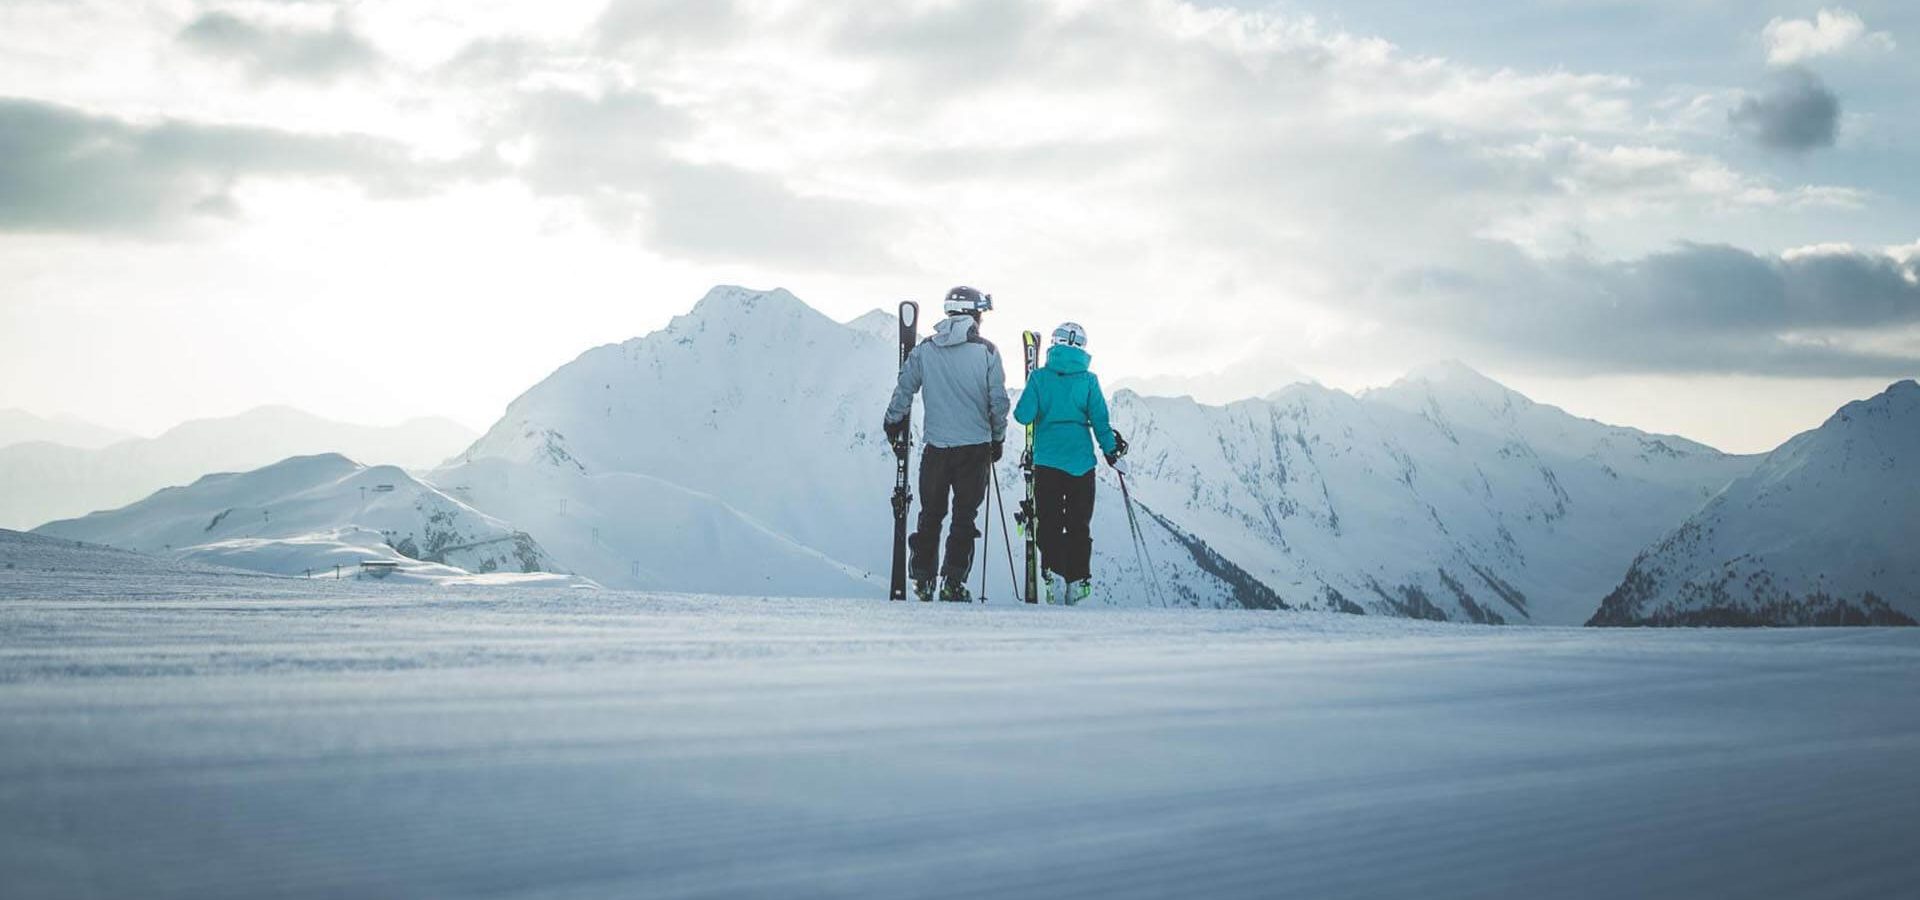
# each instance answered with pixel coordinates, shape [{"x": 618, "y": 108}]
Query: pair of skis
[
  {"x": 903, "y": 496},
  {"x": 1030, "y": 591},
  {"x": 1030, "y": 585}
]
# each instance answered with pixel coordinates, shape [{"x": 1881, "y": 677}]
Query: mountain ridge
[
  {"x": 1820, "y": 533},
  {"x": 44, "y": 482},
  {"x": 737, "y": 450},
  {"x": 309, "y": 513}
]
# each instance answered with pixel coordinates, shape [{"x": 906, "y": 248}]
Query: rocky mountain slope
[
  {"x": 1826, "y": 531},
  {"x": 1445, "y": 495}
]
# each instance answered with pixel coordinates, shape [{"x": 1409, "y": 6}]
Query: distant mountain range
[
  {"x": 17, "y": 426},
  {"x": 737, "y": 451},
  {"x": 42, "y": 481}
]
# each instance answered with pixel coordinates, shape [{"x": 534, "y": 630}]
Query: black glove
[
  {"x": 1119, "y": 447},
  {"x": 999, "y": 448},
  {"x": 897, "y": 436}
]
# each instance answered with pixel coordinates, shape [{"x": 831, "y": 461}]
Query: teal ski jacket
[{"x": 1063, "y": 403}]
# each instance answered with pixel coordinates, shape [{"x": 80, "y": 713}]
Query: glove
[
  {"x": 999, "y": 448},
  {"x": 1118, "y": 464},
  {"x": 1119, "y": 446},
  {"x": 897, "y": 436}
]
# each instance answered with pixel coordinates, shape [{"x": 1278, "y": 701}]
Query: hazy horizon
[{"x": 1695, "y": 219}]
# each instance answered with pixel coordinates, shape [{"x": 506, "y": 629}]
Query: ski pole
[
  {"x": 1140, "y": 542},
  {"x": 986, "y": 531}
]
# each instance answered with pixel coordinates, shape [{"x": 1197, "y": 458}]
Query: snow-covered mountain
[
  {"x": 308, "y": 514},
  {"x": 17, "y": 426},
  {"x": 1825, "y": 531},
  {"x": 738, "y": 447},
  {"x": 1445, "y": 495},
  {"x": 42, "y": 481},
  {"x": 738, "y": 450}
]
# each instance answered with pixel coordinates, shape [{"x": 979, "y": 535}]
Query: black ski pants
[
  {"x": 1065, "y": 511},
  {"x": 961, "y": 472}
]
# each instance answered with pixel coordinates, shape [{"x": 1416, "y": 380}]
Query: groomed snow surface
[{"x": 168, "y": 730}]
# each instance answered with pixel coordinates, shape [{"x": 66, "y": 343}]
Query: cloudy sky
[{"x": 1695, "y": 216}]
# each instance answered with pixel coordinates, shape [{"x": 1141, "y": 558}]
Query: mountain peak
[
  {"x": 747, "y": 313},
  {"x": 1451, "y": 378},
  {"x": 312, "y": 463},
  {"x": 1451, "y": 371},
  {"x": 877, "y": 322},
  {"x": 1900, "y": 401},
  {"x": 730, "y": 302}
]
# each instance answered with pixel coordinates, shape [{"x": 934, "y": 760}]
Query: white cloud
[
  {"x": 1225, "y": 173},
  {"x": 1829, "y": 32},
  {"x": 1582, "y": 187}
]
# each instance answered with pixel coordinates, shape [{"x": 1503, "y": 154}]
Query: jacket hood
[
  {"x": 1067, "y": 359},
  {"x": 953, "y": 330}
]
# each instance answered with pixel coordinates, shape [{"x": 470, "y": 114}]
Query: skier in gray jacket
[{"x": 963, "y": 388}]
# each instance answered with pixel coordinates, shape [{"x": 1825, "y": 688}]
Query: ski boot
[
  {"x": 1053, "y": 588},
  {"x": 923, "y": 591},
  {"x": 1079, "y": 591},
  {"x": 955, "y": 592}
]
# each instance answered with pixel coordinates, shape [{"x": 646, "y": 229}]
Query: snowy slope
[
  {"x": 636, "y": 530},
  {"x": 17, "y": 426},
  {"x": 312, "y": 513},
  {"x": 738, "y": 449},
  {"x": 38, "y": 565},
  {"x": 40, "y": 482},
  {"x": 1825, "y": 531},
  {"x": 452, "y": 743},
  {"x": 1445, "y": 495}
]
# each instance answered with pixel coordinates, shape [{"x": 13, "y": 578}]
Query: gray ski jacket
[{"x": 962, "y": 384}]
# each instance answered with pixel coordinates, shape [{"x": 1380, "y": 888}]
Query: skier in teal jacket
[{"x": 1063, "y": 403}]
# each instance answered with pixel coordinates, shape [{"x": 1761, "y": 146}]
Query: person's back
[
  {"x": 1068, "y": 412},
  {"x": 963, "y": 388},
  {"x": 956, "y": 371}
]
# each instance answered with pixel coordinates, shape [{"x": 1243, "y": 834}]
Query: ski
[
  {"x": 1030, "y": 345},
  {"x": 902, "y": 497}
]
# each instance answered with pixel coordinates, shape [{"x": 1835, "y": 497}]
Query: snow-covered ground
[{"x": 168, "y": 730}]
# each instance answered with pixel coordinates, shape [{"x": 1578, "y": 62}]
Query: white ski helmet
[
  {"x": 1071, "y": 334},
  {"x": 964, "y": 299}
]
